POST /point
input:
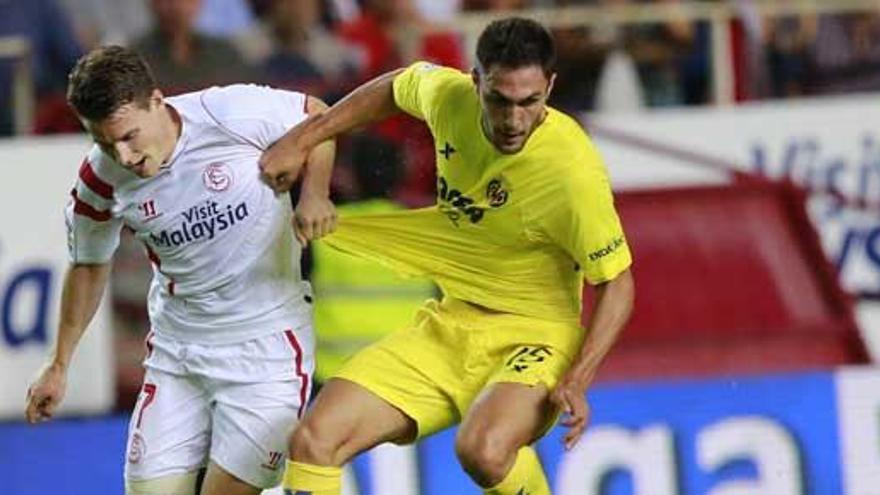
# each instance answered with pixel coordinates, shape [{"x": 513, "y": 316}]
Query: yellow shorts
[{"x": 435, "y": 369}]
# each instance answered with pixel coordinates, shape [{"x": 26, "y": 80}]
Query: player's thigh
[
  {"x": 504, "y": 417},
  {"x": 173, "y": 484},
  {"x": 251, "y": 424},
  {"x": 218, "y": 481},
  {"x": 346, "y": 418},
  {"x": 169, "y": 430}
]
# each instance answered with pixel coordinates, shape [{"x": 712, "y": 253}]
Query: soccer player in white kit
[{"x": 230, "y": 352}]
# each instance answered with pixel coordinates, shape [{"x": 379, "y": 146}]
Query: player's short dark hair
[
  {"x": 107, "y": 78},
  {"x": 516, "y": 42}
]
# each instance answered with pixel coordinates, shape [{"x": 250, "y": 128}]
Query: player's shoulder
[
  {"x": 100, "y": 180},
  {"x": 247, "y": 101},
  {"x": 439, "y": 79},
  {"x": 97, "y": 169},
  {"x": 567, "y": 130},
  {"x": 561, "y": 141}
]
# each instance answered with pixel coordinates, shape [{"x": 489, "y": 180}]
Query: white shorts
[{"x": 234, "y": 404}]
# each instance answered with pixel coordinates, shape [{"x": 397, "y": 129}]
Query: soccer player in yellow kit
[{"x": 524, "y": 213}]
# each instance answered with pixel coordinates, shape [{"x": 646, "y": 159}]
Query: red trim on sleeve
[
  {"x": 82, "y": 208},
  {"x": 95, "y": 183},
  {"x": 303, "y": 376}
]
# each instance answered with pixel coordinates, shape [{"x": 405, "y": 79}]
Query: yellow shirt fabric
[
  {"x": 515, "y": 233},
  {"x": 358, "y": 301}
]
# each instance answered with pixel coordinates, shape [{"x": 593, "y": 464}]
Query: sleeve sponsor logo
[{"x": 605, "y": 251}]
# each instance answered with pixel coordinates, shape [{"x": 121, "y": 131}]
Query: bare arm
[
  {"x": 612, "y": 309},
  {"x": 80, "y": 296},
  {"x": 370, "y": 102},
  {"x": 315, "y": 213}
]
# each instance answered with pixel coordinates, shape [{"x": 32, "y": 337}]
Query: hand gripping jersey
[
  {"x": 516, "y": 233},
  {"x": 225, "y": 265}
]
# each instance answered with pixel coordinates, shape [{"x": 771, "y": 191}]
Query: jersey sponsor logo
[
  {"x": 274, "y": 461},
  {"x": 201, "y": 222},
  {"x": 527, "y": 356},
  {"x": 217, "y": 177},
  {"x": 454, "y": 204},
  {"x": 605, "y": 251}
]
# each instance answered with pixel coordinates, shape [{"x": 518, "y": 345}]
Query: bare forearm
[
  {"x": 371, "y": 102},
  {"x": 319, "y": 164},
  {"x": 319, "y": 169},
  {"x": 81, "y": 294},
  {"x": 612, "y": 309}
]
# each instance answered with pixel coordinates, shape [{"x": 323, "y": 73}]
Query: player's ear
[
  {"x": 475, "y": 76},
  {"x": 156, "y": 97},
  {"x": 550, "y": 84}
]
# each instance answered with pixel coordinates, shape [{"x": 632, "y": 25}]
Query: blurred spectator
[
  {"x": 671, "y": 59},
  {"x": 225, "y": 18},
  {"x": 306, "y": 56},
  {"x": 54, "y": 51},
  {"x": 439, "y": 11},
  {"x": 181, "y": 57},
  {"x": 660, "y": 51},
  {"x": 788, "y": 41},
  {"x": 496, "y": 5},
  {"x": 390, "y": 34},
  {"x": 108, "y": 22},
  {"x": 845, "y": 56},
  {"x": 580, "y": 59}
]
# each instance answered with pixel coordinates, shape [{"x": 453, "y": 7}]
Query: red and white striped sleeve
[{"x": 92, "y": 228}]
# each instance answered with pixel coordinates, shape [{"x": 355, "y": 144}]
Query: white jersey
[{"x": 225, "y": 264}]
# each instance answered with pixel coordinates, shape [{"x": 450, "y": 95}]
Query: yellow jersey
[{"x": 515, "y": 233}]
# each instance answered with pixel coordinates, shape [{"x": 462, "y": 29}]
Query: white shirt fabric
[{"x": 225, "y": 264}]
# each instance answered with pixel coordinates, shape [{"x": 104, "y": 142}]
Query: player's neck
[{"x": 175, "y": 126}]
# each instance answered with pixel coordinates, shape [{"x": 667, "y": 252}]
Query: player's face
[
  {"x": 138, "y": 137},
  {"x": 513, "y": 103}
]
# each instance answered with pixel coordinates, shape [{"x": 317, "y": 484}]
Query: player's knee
[
  {"x": 176, "y": 484},
  {"x": 486, "y": 456},
  {"x": 314, "y": 443}
]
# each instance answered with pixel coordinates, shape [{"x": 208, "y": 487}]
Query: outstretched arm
[
  {"x": 83, "y": 286},
  {"x": 370, "y": 102},
  {"x": 613, "y": 306}
]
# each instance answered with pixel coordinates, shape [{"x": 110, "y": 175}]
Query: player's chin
[
  {"x": 146, "y": 171},
  {"x": 509, "y": 148}
]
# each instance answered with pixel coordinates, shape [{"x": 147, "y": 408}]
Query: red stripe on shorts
[{"x": 304, "y": 378}]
